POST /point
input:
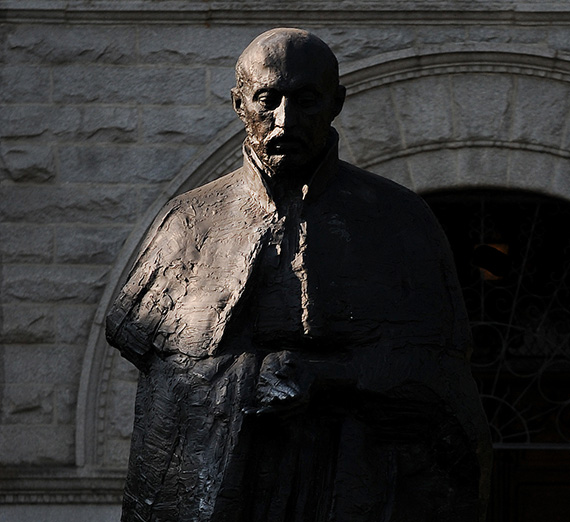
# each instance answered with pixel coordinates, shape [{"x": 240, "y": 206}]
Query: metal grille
[{"x": 512, "y": 252}]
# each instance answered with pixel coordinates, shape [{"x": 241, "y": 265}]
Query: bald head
[
  {"x": 287, "y": 94},
  {"x": 287, "y": 49}
]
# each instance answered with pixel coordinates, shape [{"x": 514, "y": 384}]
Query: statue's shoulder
[
  {"x": 396, "y": 210},
  {"x": 190, "y": 208},
  {"x": 385, "y": 192},
  {"x": 213, "y": 193}
]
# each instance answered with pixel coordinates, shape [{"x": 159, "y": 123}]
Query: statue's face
[{"x": 287, "y": 103}]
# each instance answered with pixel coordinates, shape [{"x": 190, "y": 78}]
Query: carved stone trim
[
  {"x": 59, "y": 487},
  {"x": 410, "y": 64},
  {"x": 454, "y": 145},
  {"x": 66, "y": 497},
  {"x": 325, "y": 12},
  {"x": 102, "y": 404}
]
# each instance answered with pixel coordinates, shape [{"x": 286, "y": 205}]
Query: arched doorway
[{"x": 512, "y": 252}]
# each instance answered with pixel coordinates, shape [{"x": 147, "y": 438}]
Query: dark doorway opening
[{"x": 512, "y": 251}]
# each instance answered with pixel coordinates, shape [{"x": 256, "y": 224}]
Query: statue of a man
[{"x": 300, "y": 332}]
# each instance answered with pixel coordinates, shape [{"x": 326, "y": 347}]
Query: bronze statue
[{"x": 300, "y": 331}]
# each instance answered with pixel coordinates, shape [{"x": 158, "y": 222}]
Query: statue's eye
[
  {"x": 269, "y": 100},
  {"x": 307, "y": 99}
]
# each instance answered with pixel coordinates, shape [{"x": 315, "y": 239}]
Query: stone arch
[
  {"x": 445, "y": 117},
  {"x": 100, "y": 366}
]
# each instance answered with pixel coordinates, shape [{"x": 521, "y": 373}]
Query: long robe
[{"x": 352, "y": 289}]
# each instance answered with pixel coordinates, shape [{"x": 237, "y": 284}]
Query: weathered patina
[{"x": 300, "y": 331}]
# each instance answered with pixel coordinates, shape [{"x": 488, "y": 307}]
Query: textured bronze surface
[{"x": 300, "y": 332}]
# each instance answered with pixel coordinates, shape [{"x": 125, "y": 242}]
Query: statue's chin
[
  {"x": 292, "y": 165},
  {"x": 289, "y": 166}
]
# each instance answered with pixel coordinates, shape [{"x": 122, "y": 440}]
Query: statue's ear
[
  {"x": 339, "y": 100},
  {"x": 237, "y": 102}
]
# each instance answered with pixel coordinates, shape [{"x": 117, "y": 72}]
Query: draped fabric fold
[{"x": 350, "y": 281}]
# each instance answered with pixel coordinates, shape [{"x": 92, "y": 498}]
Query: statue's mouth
[{"x": 285, "y": 145}]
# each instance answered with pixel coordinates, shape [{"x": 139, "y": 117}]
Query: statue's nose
[{"x": 285, "y": 113}]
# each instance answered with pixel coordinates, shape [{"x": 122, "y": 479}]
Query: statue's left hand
[{"x": 284, "y": 383}]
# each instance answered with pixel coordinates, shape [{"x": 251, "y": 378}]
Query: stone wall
[{"x": 110, "y": 108}]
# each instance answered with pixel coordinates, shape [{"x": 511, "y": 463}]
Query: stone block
[
  {"x": 440, "y": 34},
  {"x": 356, "y": 43},
  {"x": 486, "y": 33},
  {"x": 25, "y": 243},
  {"x": 24, "y": 84},
  {"x": 121, "y": 410},
  {"x": 113, "y": 124},
  {"x": 424, "y": 109},
  {"x": 62, "y": 43},
  {"x": 192, "y": 44},
  {"x": 483, "y": 167},
  {"x": 117, "y": 453},
  {"x": 122, "y": 369},
  {"x": 370, "y": 125},
  {"x": 114, "y": 84},
  {"x": 191, "y": 125},
  {"x": 87, "y": 123},
  {"x": 531, "y": 170},
  {"x": 115, "y": 164},
  {"x": 38, "y": 445},
  {"x": 53, "y": 283},
  {"x": 61, "y": 513},
  {"x": 89, "y": 245},
  {"x": 65, "y": 404},
  {"x": 395, "y": 169},
  {"x": 436, "y": 169},
  {"x": 530, "y": 35},
  {"x": 42, "y": 364},
  {"x": 28, "y": 404},
  {"x": 4, "y": 31},
  {"x": 483, "y": 108},
  {"x": 27, "y": 324},
  {"x": 73, "y": 323},
  {"x": 222, "y": 79},
  {"x": 540, "y": 112},
  {"x": 38, "y": 121},
  {"x": 147, "y": 197},
  {"x": 559, "y": 39},
  {"x": 70, "y": 203},
  {"x": 561, "y": 180},
  {"x": 27, "y": 163}
]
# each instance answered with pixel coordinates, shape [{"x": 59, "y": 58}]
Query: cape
[{"x": 381, "y": 306}]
